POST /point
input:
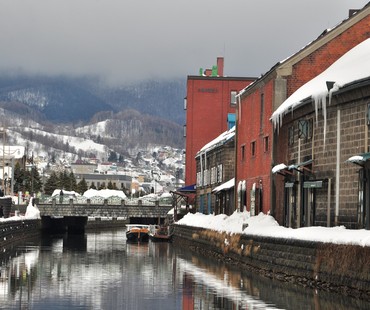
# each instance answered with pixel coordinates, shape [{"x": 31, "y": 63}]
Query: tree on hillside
[
  {"x": 51, "y": 183},
  {"x": 82, "y": 186},
  {"x": 73, "y": 182},
  {"x": 19, "y": 175},
  {"x": 111, "y": 185},
  {"x": 112, "y": 157}
]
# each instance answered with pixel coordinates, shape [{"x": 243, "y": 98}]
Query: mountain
[
  {"x": 55, "y": 99},
  {"x": 71, "y": 100},
  {"x": 81, "y": 117}
]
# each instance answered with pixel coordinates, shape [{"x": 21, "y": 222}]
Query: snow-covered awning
[
  {"x": 278, "y": 168},
  {"x": 224, "y": 186},
  {"x": 282, "y": 168},
  {"x": 360, "y": 159}
]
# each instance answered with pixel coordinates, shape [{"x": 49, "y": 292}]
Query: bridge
[{"x": 71, "y": 215}]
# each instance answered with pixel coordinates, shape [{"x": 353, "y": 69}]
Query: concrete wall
[
  {"x": 340, "y": 268},
  {"x": 16, "y": 231}
]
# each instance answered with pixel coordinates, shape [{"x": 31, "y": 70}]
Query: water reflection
[{"x": 101, "y": 271}]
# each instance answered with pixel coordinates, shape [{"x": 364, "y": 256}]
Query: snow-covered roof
[
  {"x": 12, "y": 151},
  {"x": 351, "y": 67},
  {"x": 220, "y": 140}
]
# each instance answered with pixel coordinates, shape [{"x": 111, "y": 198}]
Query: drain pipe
[{"x": 337, "y": 173}]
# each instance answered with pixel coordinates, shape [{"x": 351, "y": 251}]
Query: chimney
[{"x": 220, "y": 66}]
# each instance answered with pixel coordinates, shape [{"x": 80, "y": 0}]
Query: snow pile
[
  {"x": 71, "y": 193},
  {"x": 351, "y": 67},
  {"x": 104, "y": 193},
  {"x": 220, "y": 222},
  {"x": 266, "y": 225},
  {"x": 32, "y": 212}
]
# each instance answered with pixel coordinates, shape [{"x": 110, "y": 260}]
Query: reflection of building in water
[
  {"x": 214, "y": 287},
  {"x": 18, "y": 277}
]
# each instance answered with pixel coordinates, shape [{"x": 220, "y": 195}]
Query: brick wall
[{"x": 322, "y": 149}]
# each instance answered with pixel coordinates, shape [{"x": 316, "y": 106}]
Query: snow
[
  {"x": 351, "y": 67},
  {"x": 32, "y": 212},
  {"x": 227, "y": 185},
  {"x": 222, "y": 138},
  {"x": 266, "y": 226},
  {"x": 71, "y": 193},
  {"x": 278, "y": 168},
  {"x": 104, "y": 193}
]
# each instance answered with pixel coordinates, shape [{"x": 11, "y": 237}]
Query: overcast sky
[{"x": 127, "y": 40}]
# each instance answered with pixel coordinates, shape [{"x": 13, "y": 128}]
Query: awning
[
  {"x": 284, "y": 169},
  {"x": 278, "y": 168},
  {"x": 224, "y": 186},
  {"x": 360, "y": 159},
  {"x": 187, "y": 189},
  {"x": 300, "y": 165}
]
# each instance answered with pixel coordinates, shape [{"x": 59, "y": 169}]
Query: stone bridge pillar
[{"x": 72, "y": 224}]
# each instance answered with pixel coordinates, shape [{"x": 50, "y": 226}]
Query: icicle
[{"x": 324, "y": 114}]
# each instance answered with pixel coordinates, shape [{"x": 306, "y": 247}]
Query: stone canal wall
[
  {"x": 12, "y": 232},
  {"x": 341, "y": 268}
]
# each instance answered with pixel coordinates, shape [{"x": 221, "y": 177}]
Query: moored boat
[
  {"x": 159, "y": 233},
  {"x": 137, "y": 233}
]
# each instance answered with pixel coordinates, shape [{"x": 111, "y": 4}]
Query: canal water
[{"x": 99, "y": 270}]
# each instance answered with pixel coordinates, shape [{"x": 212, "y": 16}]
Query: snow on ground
[
  {"x": 266, "y": 225},
  {"x": 105, "y": 193},
  {"x": 32, "y": 212}
]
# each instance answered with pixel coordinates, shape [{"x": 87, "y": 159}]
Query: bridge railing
[{"x": 113, "y": 200}]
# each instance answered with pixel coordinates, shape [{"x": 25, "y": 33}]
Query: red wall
[
  {"x": 254, "y": 169},
  {"x": 208, "y": 104}
]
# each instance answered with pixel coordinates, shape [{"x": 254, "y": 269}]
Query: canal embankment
[
  {"x": 15, "y": 231},
  {"x": 333, "y": 267}
]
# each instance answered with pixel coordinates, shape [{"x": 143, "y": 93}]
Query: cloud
[{"x": 125, "y": 40}]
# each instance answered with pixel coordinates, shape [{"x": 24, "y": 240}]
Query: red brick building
[
  {"x": 210, "y": 109},
  {"x": 256, "y": 146}
]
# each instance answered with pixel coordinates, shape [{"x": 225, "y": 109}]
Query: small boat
[
  {"x": 137, "y": 233},
  {"x": 159, "y": 233}
]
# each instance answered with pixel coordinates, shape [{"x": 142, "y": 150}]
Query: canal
[{"x": 99, "y": 270}]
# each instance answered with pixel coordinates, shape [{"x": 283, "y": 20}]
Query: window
[
  {"x": 230, "y": 120},
  {"x": 242, "y": 152},
  {"x": 266, "y": 144},
  {"x": 291, "y": 136},
  {"x": 185, "y": 102},
  {"x": 233, "y": 94},
  {"x": 185, "y": 131},
  {"x": 305, "y": 129},
  {"x": 253, "y": 148}
]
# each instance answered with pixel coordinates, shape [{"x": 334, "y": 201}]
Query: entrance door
[
  {"x": 363, "y": 209},
  {"x": 290, "y": 205}
]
